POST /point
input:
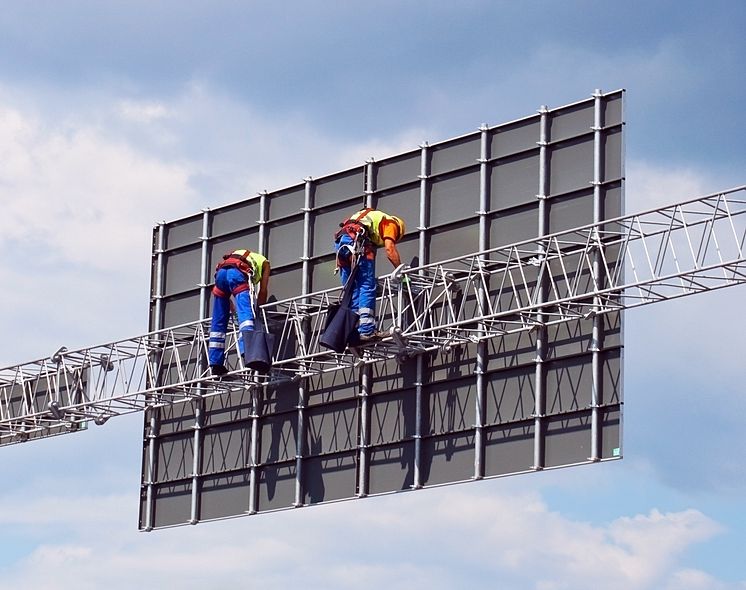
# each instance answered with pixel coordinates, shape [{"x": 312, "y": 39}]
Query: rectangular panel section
[
  {"x": 454, "y": 240},
  {"x": 454, "y": 196},
  {"x": 286, "y": 203},
  {"x": 340, "y": 187},
  {"x": 391, "y": 468},
  {"x": 235, "y": 406},
  {"x": 455, "y": 154},
  {"x": 569, "y": 384},
  {"x": 567, "y": 440},
  {"x": 222, "y": 245},
  {"x": 183, "y": 232},
  {"x": 226, "y": 448},
  {"x": 392, "y": 417},
  {"x": 449, "y": 406},
  {"x": 514, "y": 181},
  {"x": 285, "y": 283},
  {"x": 276, "y": 486},
  {"x": 328, "y": 478},
  {"x": 333, "y": 387},
  {"x": 285, "y": 241},
  {"x": 182, "y": 270},
  {"x": 514, "y": 138},
  {"x": 224, "y": 495},
  {"x": 611, "y": 433},
  {"x": 172, "y": 504},
  {"x": 403, "y": 202},
  {"x": 174, "y": 456},
  {"x": 278, "y": 435},
  {"x": 509, "y": 449},
  {"x": 521, "y": 224},
  {"x": 612, "y": 111},
  {"x": 447, "y": 458},
  {"x": 326, "y": 223},
  {"x": 569, "y": 122},
  {"x": 180, "y": 309},
  {"x": 612, "y": 151},
  {"x": 332, "y": 428},
  {"x": 239, "y": 218},
  {"x": 570, "y": 165},
  {"x": 322, "y": 273},
  {"x": 570, "y": 211},
  {"x": 396, "y": 171},
  {"x": 510, "y": 395}
]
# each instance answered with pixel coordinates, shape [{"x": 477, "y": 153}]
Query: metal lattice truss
[{"x": 635, "y": 260}]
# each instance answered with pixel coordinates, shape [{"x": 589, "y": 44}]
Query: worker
[
  {"x": 238, "y": 274},
  {"x": 356, "y": 242}
]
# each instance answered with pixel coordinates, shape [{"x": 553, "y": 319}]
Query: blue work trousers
[
  {"x": 228, "y": 280},
  {"x": 364, "y": 287}
]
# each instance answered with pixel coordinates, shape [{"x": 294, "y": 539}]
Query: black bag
[
  {"x": 340, "y": 328},
  {"x": 257, "y": 348}
]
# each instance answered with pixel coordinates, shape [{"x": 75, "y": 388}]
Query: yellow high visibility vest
[
  {"x": 372, "y": 220},
  {"x": 257, "y": 263}
]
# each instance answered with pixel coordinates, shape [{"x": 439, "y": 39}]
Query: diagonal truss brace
[{"x": 660, "y": 254}]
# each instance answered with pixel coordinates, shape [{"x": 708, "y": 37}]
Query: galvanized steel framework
[
  {"x": 670, "y": 252},
  {"x": 264, "y": 442}
]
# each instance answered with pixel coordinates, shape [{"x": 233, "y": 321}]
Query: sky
[{"x": 116, "y": 115}]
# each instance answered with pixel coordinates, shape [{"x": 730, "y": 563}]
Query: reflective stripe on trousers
[
  {"x": 364, "y": 288},
  {"x": 227, "y": 280}
]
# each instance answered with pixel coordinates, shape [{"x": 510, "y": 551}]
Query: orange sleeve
[{"x": 389, "y": 229}]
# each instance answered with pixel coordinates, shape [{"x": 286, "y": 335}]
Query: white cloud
[
  {"x": 429, "y": 539},
  {"x": 143, "y": 111}
]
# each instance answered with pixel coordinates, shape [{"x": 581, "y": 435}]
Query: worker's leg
[
  {"x": 219, "y": 324},
  {"x": 366, "y": 294},
  {"x": 244, "y": 310}
]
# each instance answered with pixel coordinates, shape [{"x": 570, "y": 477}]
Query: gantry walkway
[{"x": 660, "y": 254}]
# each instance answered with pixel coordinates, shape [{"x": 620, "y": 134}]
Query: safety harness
[
  {"x": 239, "y": 262},
  {"x": 361, "y": 242},
  {"x": 353, "y": 227}
]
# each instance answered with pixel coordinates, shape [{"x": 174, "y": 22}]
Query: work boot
[
  {"x": 218, "y": 370},
  {"x": 372, "y": 337}
]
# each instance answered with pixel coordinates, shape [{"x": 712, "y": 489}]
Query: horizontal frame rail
[{"x": 682, "y": 249}]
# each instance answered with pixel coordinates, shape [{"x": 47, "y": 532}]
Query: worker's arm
[
  {"x": 391, "y": 252},
  {"x": 263, "y": 285}
]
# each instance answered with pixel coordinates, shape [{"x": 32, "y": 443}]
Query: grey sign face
[{"x": 535, "y": 399}]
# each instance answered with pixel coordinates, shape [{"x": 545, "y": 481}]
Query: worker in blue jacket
[{"x": 235, "y": 275}]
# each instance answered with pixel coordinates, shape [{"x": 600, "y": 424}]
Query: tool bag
[
  {"x": 340, "y": 329},
  {"x": 258, "y": 344}
]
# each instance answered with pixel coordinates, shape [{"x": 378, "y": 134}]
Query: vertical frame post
[
  {"x": 154, "y": 423},
  {"x": 481, "y": 364},
  {"x": 422, "y": 253},
  {"x": 597, "y": 333},
  {"x": 541, "y": 332}
]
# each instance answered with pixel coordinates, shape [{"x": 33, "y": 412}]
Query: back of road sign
[{"x": 536, "y": 399}]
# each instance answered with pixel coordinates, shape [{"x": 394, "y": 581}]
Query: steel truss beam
[{"x": 660, "y": 254}]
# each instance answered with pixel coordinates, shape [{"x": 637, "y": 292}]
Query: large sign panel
[{"x": 513, "y": 404}]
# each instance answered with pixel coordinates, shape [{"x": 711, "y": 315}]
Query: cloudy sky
[{"x": 115, "y": 115}]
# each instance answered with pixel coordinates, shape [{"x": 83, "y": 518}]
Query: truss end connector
[
  {"x": 100, "y": 420},
  {"x": 57, "y": 412},
  {"x": 57, "y": 356}
]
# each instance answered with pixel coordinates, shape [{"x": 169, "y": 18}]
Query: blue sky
[{"x": 116, "y": 115}]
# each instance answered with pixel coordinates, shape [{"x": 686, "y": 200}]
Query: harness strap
[{"x": 352, "y": 226}]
